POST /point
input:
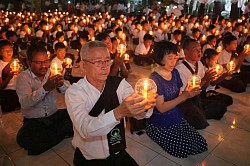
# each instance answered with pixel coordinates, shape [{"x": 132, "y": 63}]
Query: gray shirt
[{"x": 35, "y": 101}]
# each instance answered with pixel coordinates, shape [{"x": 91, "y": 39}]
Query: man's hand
[
  {"x": 191, "y": 91},
  {"x": 133, "y": 105},
  {"x": 53, "y": 82},
  {"x": 210, "y": 74}
]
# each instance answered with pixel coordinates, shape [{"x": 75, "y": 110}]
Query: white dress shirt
[
  {"x": 35, "y": 101},
  {"x": 158, "y": 35},
  {"x": 185, "y": 74},
  {"x": 224, "y": 57},
  {"x": 141, "y": 36},
  {"x": 141, "y": 49},
  {"x": 12, "y": 83},
  {"x": 90, "y": 133}
]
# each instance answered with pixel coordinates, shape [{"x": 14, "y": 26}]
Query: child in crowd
[
  {"x": 209, "y": 59},
  {"x": 8, "y": 97}
]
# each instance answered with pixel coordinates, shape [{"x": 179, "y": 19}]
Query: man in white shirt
[
  {"x": 196, "y": 111},
  {"x": 144, "y": 30},
  {"x": 159, "y": 35},
  {"x": 143, "y": 54},
  {"x": 229, "y": 54},
  {"x": 97, "y": 105}
]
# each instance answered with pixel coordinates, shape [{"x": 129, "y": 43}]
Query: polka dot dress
[{"x": 180, "y": 140}]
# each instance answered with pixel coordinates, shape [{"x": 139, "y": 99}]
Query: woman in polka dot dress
[{"x": 167, "y": 126}]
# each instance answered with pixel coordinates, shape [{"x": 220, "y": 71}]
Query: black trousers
[
  {"x": 213, "y": 95},
  {"x": 244, "y": 74},
  {"x": 234, "y": 84},
  {"x": 40, "y": 134},
  {"x": 142, "y": 60},
  {"x": 121, "y": 159},
  {"x": 9, "y": 100}
]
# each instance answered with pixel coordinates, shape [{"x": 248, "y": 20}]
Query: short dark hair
[
  {"x": 228, "y": 39},
  {"x": 187, "y": 43},
  {"x": 177, "y": 32},
  {"x": 147, "y": 37},
  {"x": 10, "y": 34},
  {"x": 101, "y": 36},
  {"x": 210, "y": 38},
  {"x": 59, "y": 45},
  {"x": 33, "y": 49},
  {"x": 195, "y": 30},
  {"x": 163, "y": 48},
  {"x": 59, "y": 34},
  {"x": 4, "y": 43},
  {"x": 208, "y": 54}
]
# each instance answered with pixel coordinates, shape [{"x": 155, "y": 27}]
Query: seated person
[
  {"x": 143, "y": 52},
  {"x": 99, "y": 136},
  {"x": 8, "y": 97},
  {"x": 245, "y": 67},
  {"x": 196, "y": 111},
  {"x": 59, "y": 38},
  {"x": 43, "y": 126},
  {"x": 60, "y": 52},
  {"x": 211, "y": 43},
  {"x": 12, "y": 37},
  {"x": 167, "y": 126},
  {"x": 118, "y": 68},
  {"x": 209, "y": 59},
  {"x": 229, "y": 54}
]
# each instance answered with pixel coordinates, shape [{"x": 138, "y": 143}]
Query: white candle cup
[
  {"x": 15, "y": 66},
  {"x": 194, "y": 81},
  {"x": 56, "y": 68},
  {"x": 68, "y": 61},
  {"x": 231, "y": 66},
  {"x": 147, "y": 88}
]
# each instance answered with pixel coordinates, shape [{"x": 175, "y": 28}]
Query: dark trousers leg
[
  {"x": 223, "y": 98},
  {"x": 234, "y": 84},
  {"x": 244, "y": 74},
  {"x": 213, "y": 109},
  {"x": 194, "y": 114},
  {"x": 39, "y": 135},
  {"x": 9, "y": 100},
  {"x": 121, "y": 159}
]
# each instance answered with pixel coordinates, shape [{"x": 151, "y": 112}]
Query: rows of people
[{"x": 97, "y": 45}]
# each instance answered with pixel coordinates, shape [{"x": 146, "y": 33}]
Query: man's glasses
[
  {"x": 46, "y": 62},
  {"x": 107, "y": 62}
]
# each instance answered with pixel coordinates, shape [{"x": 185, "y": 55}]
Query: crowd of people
[{"x": 38, "y": 54}]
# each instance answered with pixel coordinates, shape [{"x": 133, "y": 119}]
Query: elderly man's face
[
  {"x": 193, "y": 52},
  {"x": 97, "y": 64}
]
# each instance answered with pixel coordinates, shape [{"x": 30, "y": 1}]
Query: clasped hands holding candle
[
  {"x": 133, "y": 105},
  {"x": 53, "y": 82}
]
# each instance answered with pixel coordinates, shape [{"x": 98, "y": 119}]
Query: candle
[
  {"x": 182, "y": 28},
  {"x": 55, "y": 69},
  {"x": 151, "y": 33},
  {"x": 207, "y": 23},
  {"x": 76, "y": 29},
  {"x": 100, "y": 29},
  {"x": 121, "y": 49},
  {"x": 103, "y": 26},
  {"x": 196, "y": 25},
  {"x": 126, "y": 57},
  {"x": 218, "y": 69},
  {"x": 93, "y": 39},
  {"x": 233, "y": 126},
  {"x": 47, "y": 27},
  {"x": 239, "y": 21},
  {"x": 219, "y": 49},
  {"x": 204, "y": 38},
  {"x": 206, "y": 17},
  {"x": 186, "y": 20},
  {"x": 68, "y": 61},
  {"x": 147, "y": 88},
  {"x": 231, "y": 66},
  {"x": 216, "y": 33},
  {"x": 245, "y": 31},
  {"x": 195, "y": 81},
  {"x": 123, "y": 37},
  {"x": 65, "y": 43},
  {"x": 246, "y": 47},
  {"x": 173, "y": 24},
  {"x": 229, "y": 24},
  {"x": 15, "y": 65},
  {"x": 140, "y": 27}
]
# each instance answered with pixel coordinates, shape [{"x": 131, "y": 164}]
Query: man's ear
[
  {"x": 28, "y": 62},
  {"x": 82, "y": 65}
]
